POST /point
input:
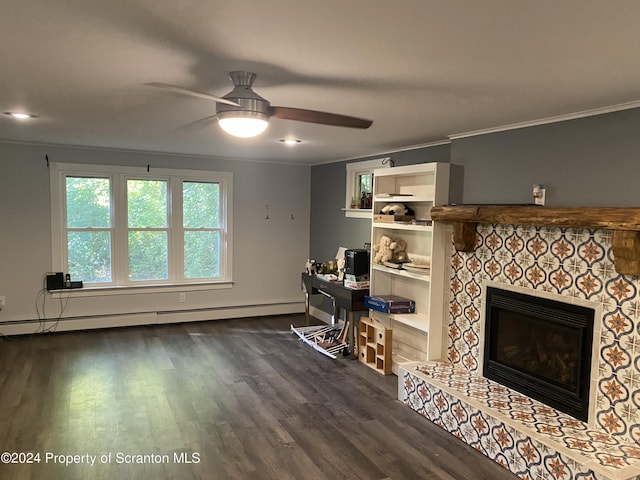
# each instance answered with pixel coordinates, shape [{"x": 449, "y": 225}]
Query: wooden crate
[{"x": 374, "y": 345}]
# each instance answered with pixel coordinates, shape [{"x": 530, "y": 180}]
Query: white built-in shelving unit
[{"x": 421, "y": 335}]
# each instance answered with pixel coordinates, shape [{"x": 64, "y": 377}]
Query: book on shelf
[{"x": 389, "y": 303}]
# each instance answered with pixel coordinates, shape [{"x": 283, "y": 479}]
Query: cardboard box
[
  {"x": 381, "y": 218},
  {"x": 356, "y": 285},
  {"x": 389, "y": 304},
  {"x": 356, "y": 278}
]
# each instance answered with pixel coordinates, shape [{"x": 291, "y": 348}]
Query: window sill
[
  {"x": 357, "y": 212},
  {"x": 138, "y": 289}
]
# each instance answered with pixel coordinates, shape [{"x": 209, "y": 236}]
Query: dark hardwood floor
[{"x": 239, "y": 399}]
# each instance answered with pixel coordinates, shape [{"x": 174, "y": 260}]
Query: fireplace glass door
[{"x": 539, "y": 347}]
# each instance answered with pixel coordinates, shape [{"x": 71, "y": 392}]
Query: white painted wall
[{"x": 268, "y": 254}]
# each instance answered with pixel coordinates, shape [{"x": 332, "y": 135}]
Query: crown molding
[
  {"x": 386, "y": 153},
  {"x": 547, "y": 120}
]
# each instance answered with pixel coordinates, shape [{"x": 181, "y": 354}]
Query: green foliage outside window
[
  {"x": 365, "y": 183},
  {"x": 89, "y": 257},
  {"x": 148, "y": 255},
  {"x": 201, "y": 204},
  {"x": 88, "y": 206},
  {"x": 88, "y": 202},
  {"x": 201, "y": 254},
  {"x": 147, "y": 203},
  {"x": 90, "y": 231},
  {"x": 148, "y": 249},
  {"x": 201, "y": 214}
]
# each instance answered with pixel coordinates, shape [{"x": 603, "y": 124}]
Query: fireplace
[{"x": 539, "y": 347}]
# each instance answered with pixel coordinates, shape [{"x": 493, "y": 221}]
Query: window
[
  {"x": 129, "y": 227},
  {"x": 360, "y": 186},
  {"x": 202, "y": 234},
  {"x": 89, "y": 228},
  {"x": 147, "y": 230},
  {"x": 364, "y": 183}
]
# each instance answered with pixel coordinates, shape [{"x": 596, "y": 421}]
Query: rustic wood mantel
[{"x": 624, "y": 223}]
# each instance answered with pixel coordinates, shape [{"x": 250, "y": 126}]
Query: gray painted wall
[
  {"x": 268, "y": 254},
  {"x": 593, "y": 161}
]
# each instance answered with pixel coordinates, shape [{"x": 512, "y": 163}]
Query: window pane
[
  {"x": 364, "y": 183},
  {"x": 201, "y": 204},
  {"x": 89, "y": 256},
  {"x": 201, "y": 254},
  {"x": 148, "y": 255},
  {"x": 147, "y": 203},
  {"x": 88, "y": 202}
]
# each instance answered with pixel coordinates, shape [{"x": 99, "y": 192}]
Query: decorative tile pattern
[
  {"x": 528, "y": 438},
  {"x": 574, "y": 263}
]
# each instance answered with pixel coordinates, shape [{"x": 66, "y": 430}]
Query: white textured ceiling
[{"x": 420, "y": 69}]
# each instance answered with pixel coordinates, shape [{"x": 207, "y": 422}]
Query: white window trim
[
  {"x": 58, "y": 172},
  {"x": 353, "y": 170}
]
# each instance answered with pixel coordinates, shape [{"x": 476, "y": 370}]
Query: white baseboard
[
  {"x": 28, "y": 327},
  {"x": 230, "y": 312}
]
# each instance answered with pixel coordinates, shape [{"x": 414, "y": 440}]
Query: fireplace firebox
[{"x": 539, "y": 347}]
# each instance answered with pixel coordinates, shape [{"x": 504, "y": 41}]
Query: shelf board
[
  {"x": 404, "y": 226},
  {"x": 401, "y": 273},
  {"x": 401, "y": 360},
  {"x": 414, "y": 320},
  {"x": 411, "y": 170},
  {"x": 402, "y": 198}
]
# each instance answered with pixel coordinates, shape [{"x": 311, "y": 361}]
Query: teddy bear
[
  {"x": 382, "y": 251},
  {"x": 398, "y": 246},
  {"x": 390, "y": 250}
]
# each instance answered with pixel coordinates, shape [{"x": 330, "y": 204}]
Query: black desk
[{"x": 350, "y": 299}]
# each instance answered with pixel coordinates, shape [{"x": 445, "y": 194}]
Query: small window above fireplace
[{"x": 540, "y": 347}]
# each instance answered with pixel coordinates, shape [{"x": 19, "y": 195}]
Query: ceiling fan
[{"x": 244, "y": 113}]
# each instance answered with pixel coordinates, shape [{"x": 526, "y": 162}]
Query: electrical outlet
[
  {"x": 183, "y": 297},
  {"x": 3, "y": 301}
]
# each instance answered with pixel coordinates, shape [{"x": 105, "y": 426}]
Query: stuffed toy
[
  {"x": 341, "y": 262},
  {"x": 396, "y": 209},
  {"x": 382, "y": 251},
  {"x": 390, "y": 250},
  {"x": 311, "y": 267},
  {"x": 398, "y": 246}
]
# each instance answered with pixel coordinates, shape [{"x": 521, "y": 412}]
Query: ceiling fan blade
[
  {"x": 313, "y": 116},
  {"x": 198, "y": 124},
  {"x": 193, "y": 93}
]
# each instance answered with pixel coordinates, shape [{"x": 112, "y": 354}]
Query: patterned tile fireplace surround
[{"x": 532, "y": 440}]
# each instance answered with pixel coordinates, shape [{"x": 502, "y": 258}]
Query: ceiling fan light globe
[{"x": 243, "y": 127}]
